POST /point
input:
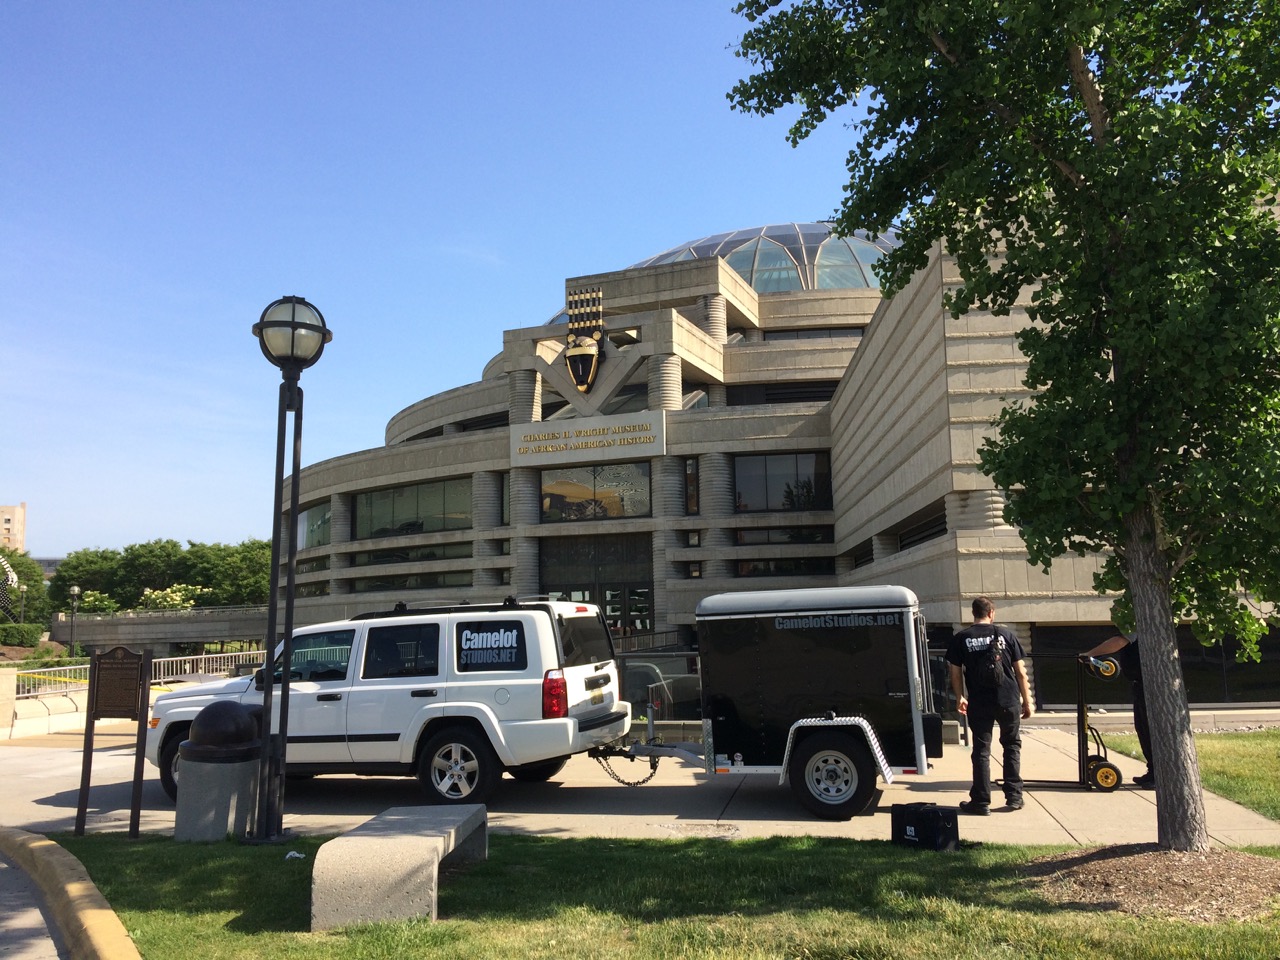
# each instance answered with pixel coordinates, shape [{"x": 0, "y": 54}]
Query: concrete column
[
  {"x": 339, "y": 533},
  {"x": 449, "y": 429},
  {"x": 486, "y": 515},
  {"x": 668, "y": 505},
  {"x": 883, "y": 545},
  {"x": 526, "y": 513},
  {"x": 8, "y": 701},
  {"x": 666, "y": 391},
  {"x": 524, "y": 390},
  {"x": 714, "y": 317},
  {"x": 715, "y": 478},
  {"x": 717, "y": 395}
]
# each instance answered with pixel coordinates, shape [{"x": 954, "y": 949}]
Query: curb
[{"x": 89, "y": 926}]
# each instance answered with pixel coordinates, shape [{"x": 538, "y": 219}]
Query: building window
[
  {"x": 786, "y": 535},
  {"x": 439, "y": 551},
  {"x": 314, "y": 565},
  {"x": 313, "y": 526},
  {"x": 414, "y": 581},
  {"x": 506, "y": 499},
  {"x": 417, "y": 508},
  {"x": 691, "y": 505},
  {"x": 863, "y": 554},
  {"x": 804, "y": 391},
  {"x": 320, "y": 589},
  {"x": 695, "y": 570},
  {"x": 782, "y": 482},
  {"x": 929, "y": 528},
  {"x": 596, "y": 493},
  {"x": 787, "y": 567}
]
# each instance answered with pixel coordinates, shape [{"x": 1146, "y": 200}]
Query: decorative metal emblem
[{"x": 586, "y": 329}]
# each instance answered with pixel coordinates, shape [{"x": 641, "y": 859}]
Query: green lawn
[
  {"x": 802, "y": 898},
  {"x": 1244, "y": 767}
]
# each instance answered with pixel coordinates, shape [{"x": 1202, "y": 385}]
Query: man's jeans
[{"x": 981, "y": 727}]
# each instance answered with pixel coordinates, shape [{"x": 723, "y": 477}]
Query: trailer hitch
[{"x": 602, "y": 755}]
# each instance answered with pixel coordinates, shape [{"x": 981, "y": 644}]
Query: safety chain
[{"x": 653, "y": 770}]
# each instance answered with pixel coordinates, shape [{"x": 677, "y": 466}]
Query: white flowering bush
[{"x": 180, "y": 596}]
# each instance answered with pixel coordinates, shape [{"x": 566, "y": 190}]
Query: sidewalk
[{"x": 42, "y": 776}]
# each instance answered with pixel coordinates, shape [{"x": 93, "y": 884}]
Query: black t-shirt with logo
[{"x": 969, "y": 646}]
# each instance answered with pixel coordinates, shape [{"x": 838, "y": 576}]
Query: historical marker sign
[{"x": 115, "y": 686}]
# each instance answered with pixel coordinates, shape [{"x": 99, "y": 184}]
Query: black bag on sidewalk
[{"x": 925, "y": 825}]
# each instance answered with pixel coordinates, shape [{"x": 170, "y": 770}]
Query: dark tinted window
[
  {"x": 403, "y": 650},
  {"x": 584, "y": 640}
]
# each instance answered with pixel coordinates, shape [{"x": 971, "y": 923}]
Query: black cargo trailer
[{"x": 825, "y": 687}]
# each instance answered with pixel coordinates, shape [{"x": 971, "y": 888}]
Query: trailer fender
[{"x": 868, "y": 731}]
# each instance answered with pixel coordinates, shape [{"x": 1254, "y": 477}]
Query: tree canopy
[
  {"x": 209, "y": 574},
  {"x": 1119, "y": 161}
]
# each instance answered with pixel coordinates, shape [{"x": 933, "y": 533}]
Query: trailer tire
[{"x": 832, "y": 774}]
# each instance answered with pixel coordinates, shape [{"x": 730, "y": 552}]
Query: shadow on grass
[{"x": 533, "y": 878}]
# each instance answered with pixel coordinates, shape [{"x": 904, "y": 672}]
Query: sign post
[{"x": 119, "y": 688}]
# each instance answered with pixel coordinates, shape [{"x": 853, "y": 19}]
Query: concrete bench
[{"x": 389, "y": 867}]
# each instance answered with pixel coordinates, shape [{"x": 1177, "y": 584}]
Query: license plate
[{"x": 597, "y": 697}]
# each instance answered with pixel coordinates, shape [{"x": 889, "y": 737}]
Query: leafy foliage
[
  {"x": 1117, "y": 162},
  {"x": 35, "y": 608},
  {"x": 145, "y": 575}
]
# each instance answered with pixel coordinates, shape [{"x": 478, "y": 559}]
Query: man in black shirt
[
  {"x": 1125, "y": 651},
  {"x": 1006, "y": 701}
]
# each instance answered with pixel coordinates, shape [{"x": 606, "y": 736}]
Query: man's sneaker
[
  {"x": 1013, "y": 805},
  {"x": 974, "y": 809},
  {"x": 1147, "y": 781}
]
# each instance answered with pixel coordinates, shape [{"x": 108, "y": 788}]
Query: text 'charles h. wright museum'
[{"x": 743, "y": 412}]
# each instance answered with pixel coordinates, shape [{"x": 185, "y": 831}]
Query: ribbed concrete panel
[
  {"x": 665, "y": 391},
  {"x": 714, "y": 317},
  {"x": 340, "y": 518},
  {"x": 716, "y": 493},
  {"x": 486, "y": 500},
  {"x": 975, "y": 510},
  {"x": 525, "y": 388},
  {"x": 717, "y": 395},
  {"x": 526, "y": 510}
]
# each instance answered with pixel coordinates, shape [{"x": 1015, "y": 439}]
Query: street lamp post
[
  {"x": 75, "y": 605},
  {"x": 292, "y": 334},
  {"x": 22, "y": 603}
]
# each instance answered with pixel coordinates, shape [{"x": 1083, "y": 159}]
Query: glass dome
[{"x": 789, "y": 256}]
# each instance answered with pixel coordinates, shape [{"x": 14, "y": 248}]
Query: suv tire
[
  {"x": 169, "y": 763},
  {"x": 457, "y": 765}
]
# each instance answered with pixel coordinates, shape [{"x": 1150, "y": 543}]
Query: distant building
[{"x": 13, "y": 527}]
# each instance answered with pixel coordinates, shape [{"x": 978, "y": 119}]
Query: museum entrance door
[{"x": 615, "y": 572}]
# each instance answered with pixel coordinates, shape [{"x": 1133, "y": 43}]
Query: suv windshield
[{"x": 585, "y": 640}]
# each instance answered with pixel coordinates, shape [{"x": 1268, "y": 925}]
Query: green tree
[
  {"x": 235, "y": 574},
  {"x": 90, "y": 569},
  {"x": 35, "y": 608},
  {"x": 1118, "y": 161},
  {"x": 153, "y": 565}
]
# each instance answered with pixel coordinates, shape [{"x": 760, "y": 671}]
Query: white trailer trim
[{"x": 872, "y": 741}]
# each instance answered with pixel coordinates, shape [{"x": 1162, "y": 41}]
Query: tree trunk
[{"x": 1180, "y": 815}]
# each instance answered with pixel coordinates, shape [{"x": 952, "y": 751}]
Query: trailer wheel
[
  {"x": 832, "y": 775},
  {"x": 1105, "y": 776}
]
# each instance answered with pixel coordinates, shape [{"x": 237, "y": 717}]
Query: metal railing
[{"x": 64, "y": 681}]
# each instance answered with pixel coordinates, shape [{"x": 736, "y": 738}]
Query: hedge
[{"x": 20, "y": 634}]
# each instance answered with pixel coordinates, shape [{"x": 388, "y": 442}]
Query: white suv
[{"x": 455, "y": 695}]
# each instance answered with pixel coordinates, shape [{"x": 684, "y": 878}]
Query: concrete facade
[{"x": 897, "y": 394}]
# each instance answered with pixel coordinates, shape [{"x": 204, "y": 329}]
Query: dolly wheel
[{"x": 1105, "y": 776}]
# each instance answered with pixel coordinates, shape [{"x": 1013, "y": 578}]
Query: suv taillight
[{"x": 555, "y": 695}]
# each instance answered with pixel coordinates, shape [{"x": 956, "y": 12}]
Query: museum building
[{"x": 743, "y": 412}]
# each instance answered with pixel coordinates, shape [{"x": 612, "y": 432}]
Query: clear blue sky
[{"x": 426, "y": 173}]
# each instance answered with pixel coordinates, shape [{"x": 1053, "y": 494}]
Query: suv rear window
[{"x": 585, "y": 640}]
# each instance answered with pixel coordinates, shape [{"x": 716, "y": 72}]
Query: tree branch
[{"x": 1090, "y": 92}]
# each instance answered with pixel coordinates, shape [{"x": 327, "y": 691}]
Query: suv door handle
[
  {"x": 424, "y": 693},
  {"x": 328, "y": 696}
]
